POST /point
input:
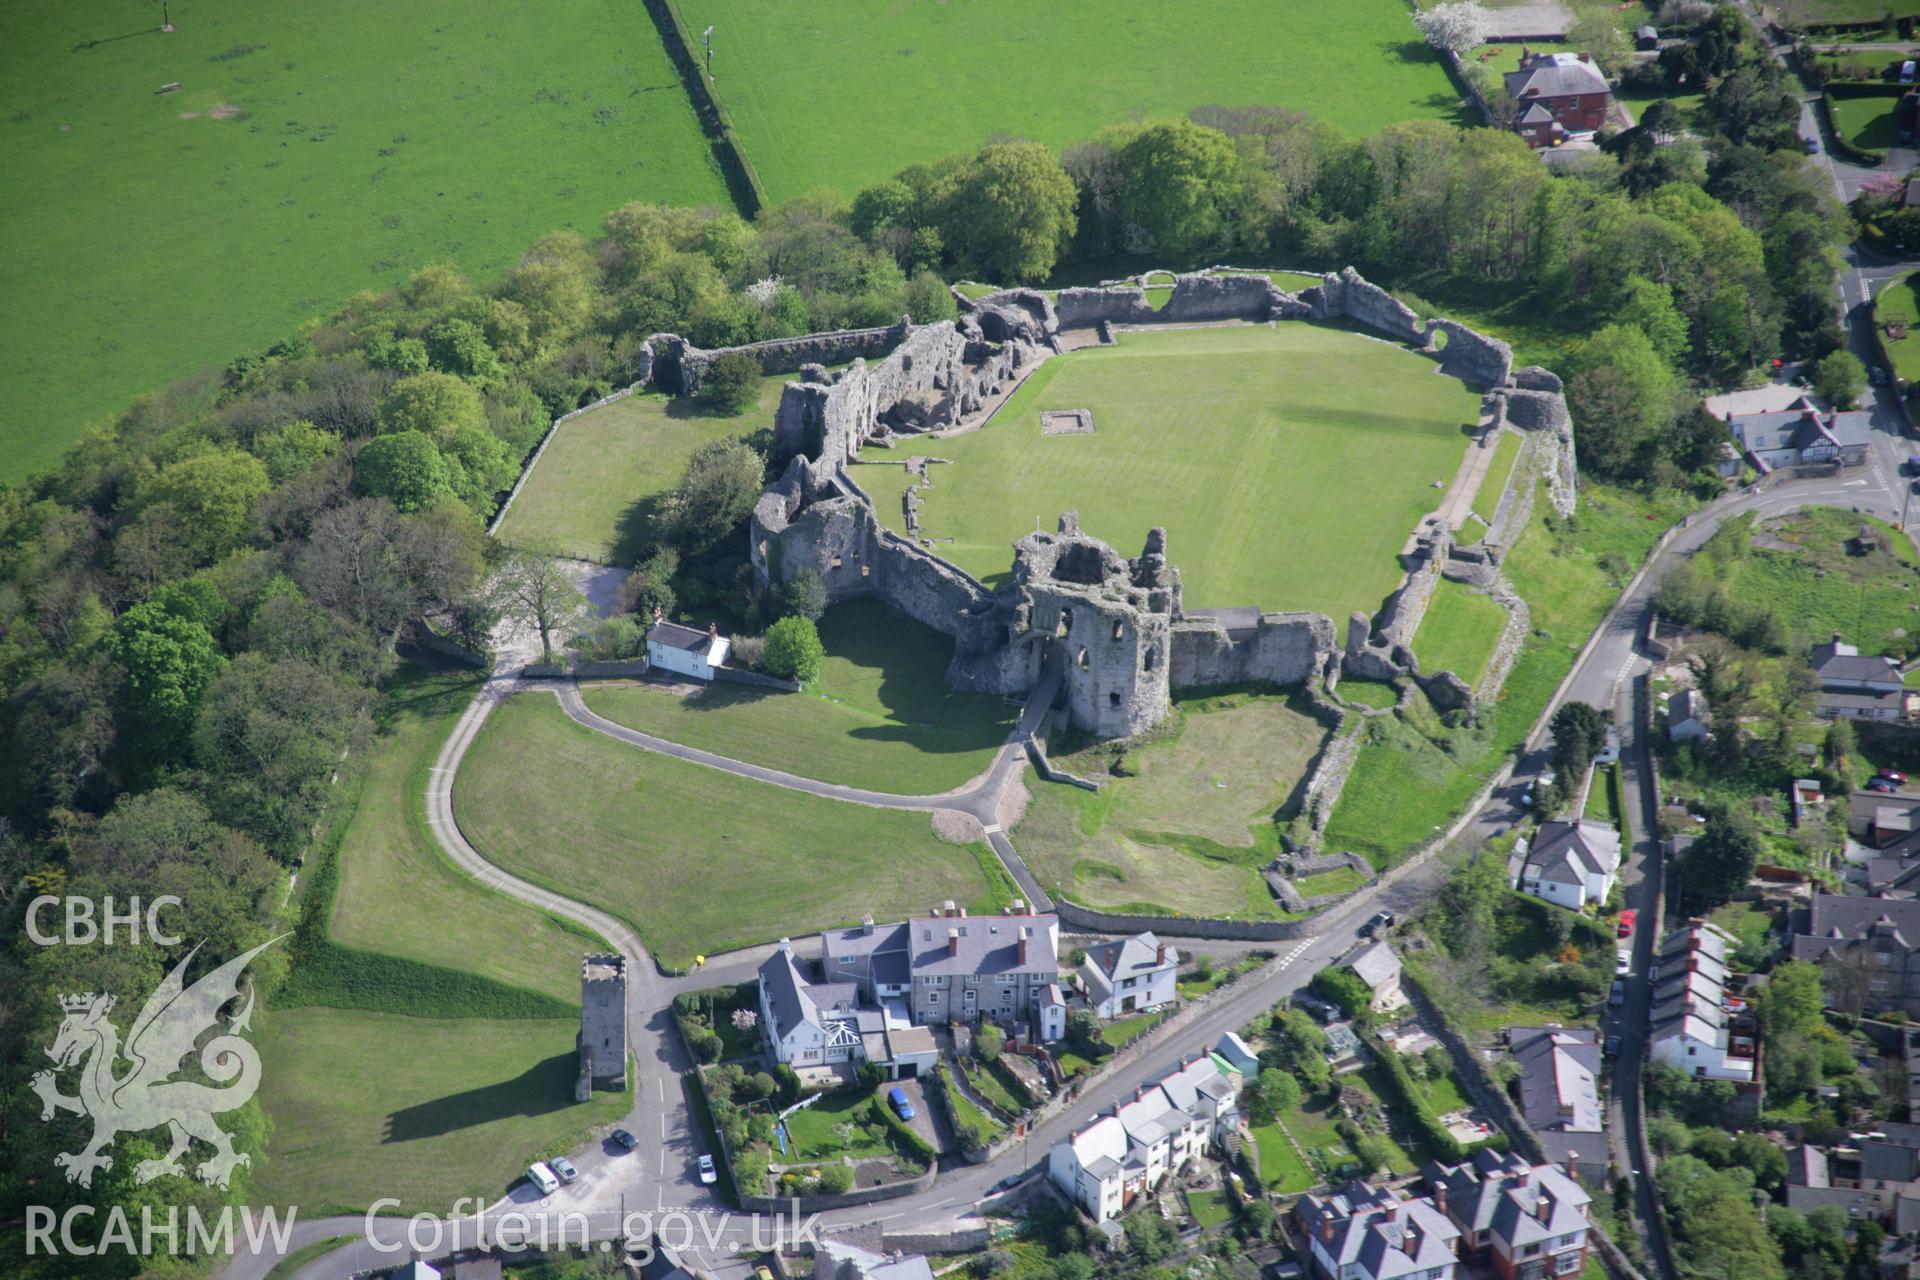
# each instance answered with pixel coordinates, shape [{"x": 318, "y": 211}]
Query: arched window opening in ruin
[
  {"x": 1113, "y": 699},
  {"x": 836, "y": 562},
  {"x": 1119, "y": 631},
  {"x": 1065, "y": 624},
  {"x": 1146, "y": 660},
  {"x": 866, "y": 570},
  {"x": 763, "y": 548},
  {"x": 1081, "y": 660}
]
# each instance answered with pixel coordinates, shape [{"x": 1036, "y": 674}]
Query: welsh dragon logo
[{"x": 147, "y": 1097}]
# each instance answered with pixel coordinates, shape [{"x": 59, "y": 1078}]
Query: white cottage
[{"x": 686, "y": 651}]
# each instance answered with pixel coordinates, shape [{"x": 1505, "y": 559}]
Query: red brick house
[{"x": 1556, "y": 95}]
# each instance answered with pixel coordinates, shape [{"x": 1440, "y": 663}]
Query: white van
[
  {"x": 1907, "y": 71},
  {"x": 542, "y": 1177}
]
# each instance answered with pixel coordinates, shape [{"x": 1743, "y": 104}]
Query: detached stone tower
[
  {"x": 1104, "y": 620},
  {"x": 603, "y": 1025}
]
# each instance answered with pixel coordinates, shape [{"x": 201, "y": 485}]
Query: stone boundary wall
[
  {"x": 678, "y": 367},
  {"x": 1096, "y": 921},
  {"x": 737, "y": 675},
  {"x": 1329, "y": 776},
  {"x": 1045, "y": 768},
  {"x": 425, "y": 637}
]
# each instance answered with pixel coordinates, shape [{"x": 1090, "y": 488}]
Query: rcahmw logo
[{"x": 145, "y": 1096}]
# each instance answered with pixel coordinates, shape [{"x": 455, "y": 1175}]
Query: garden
[
  {"x": 1287, "y": 463},
  {"x": 880, "y": 715},
  {"x": 1185, "y": 820},
  {"x": 297, "y": 161}
]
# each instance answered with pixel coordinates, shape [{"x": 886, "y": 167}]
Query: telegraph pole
[{"x": 707, "y": 36}]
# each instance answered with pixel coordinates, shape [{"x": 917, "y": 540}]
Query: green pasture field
[
  {"x": 1817, "y": 589},
  {"x": 1459, "y": 631},
  {"x": 1899, "y": 303},
  {"x": 880, "y": 716},
  {"x": 842, "y": 95},
  {"x": 311, "y": 151},
  {"x": 1812, "y": 12},
  {"x": 697, "y": 860},
  {"x": 1187, "y": 828},
  {"x": 366, "y": 1105},
  {"x": 1287, "y": 464},
  {"x": 592, "y": 493},
  {"x": 398, "y": 893}
]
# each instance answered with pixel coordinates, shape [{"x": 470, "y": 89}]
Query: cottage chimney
[
  {"x": 1138, "y": 1091},
  {"x": 1573, "y": 1163},
  {"x": 1585, "y": 56},
  {"x": 1021, "y": 952},
  {"x": 1440, "y": 1196},
  {"x": 1160, "y": 954},
  {"x": 946, "y": 908},
  {"x": 786, "y": 946},
  {"x": 953, "y": 942},
  {"x": 1836, "y": 637},
  {"x": 866, "y": 924},
  {"x": 658, "y": 616},
  {"x": 963, "y": 913},
  {"x": 1019, "y": 907},
  {"x": 1393, "y": 1211},
  {"x": 713, "y": 631},
  {"x": 1543, "y": 1207},
  {"x": 1326, "y": 1229}
]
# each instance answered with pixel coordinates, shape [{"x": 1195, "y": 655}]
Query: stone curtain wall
[
  {"x": 678, "y": 367},
  {"x": 1282, "y": 648}
]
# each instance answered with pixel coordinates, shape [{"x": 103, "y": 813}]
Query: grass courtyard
[
  {"x": 366, "y": 1105},
  {"x": 592, "y": 494},
  {"x": 912, "y": 82},
  {"x": 1188, "y": 826},
  {"x": 300, "y": 161},
  {"x": 1459, "y": 631},
  {"x": 1287, "y": 463},
  {"x": 880, "y": 716},
  {"x": 697, "y": 860}
]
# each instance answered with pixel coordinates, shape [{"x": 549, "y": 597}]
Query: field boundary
[
  {"x": 526, "y": 469},
  {"x": 743, "y": 180}
]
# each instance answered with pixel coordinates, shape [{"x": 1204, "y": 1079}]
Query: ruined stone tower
[
  {"x": 1105, "y": 621},
  {"x": 603, "y": 1024}
]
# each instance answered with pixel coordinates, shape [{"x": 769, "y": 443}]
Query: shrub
[
  {"x": 836, "y": 1180},
  {"x": 705, "y": 1044},
  {"x": 732, "y": 382},
  {"x": 904, "y": 1139}
]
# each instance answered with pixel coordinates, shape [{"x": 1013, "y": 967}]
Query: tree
[
  {"x": 793, "y": 649},
  {"x": 405, "y": 468},
  {"x": 1648, "y": 307},
  {"x": 732, "y": 382},
  {"x": 836, "y": 1179},
  {"x": 435, "y": 404},
  {"x": 1621, "y": 393},
  {"x": 1083, "y": 1032},
  {"x": 1596, "y": 32},
  {"x": 1009, "y": 213},
  {"x": 1182, "y": 181},
  {"x": 169, "y": 663},
  {"x": 1345, "y": 988},
  {"x": 1579, "y": 733},
  {"x": 1792, "y": 1000},
  {"x": 1723, "y": 858},
  {"x": 1271, "y": 1093},
  {"x": 1662, "y": 119},
  {"x": 1839, "y": 378},
  {"x": 1458, "y": 28},
  {"x": 805, "y": 595},
  {"x": 211, "y": 495},
  {"x": 988, "y": 1041},
  {"x": 717, "y": 491},
  {"x": 533, "y": 589}
]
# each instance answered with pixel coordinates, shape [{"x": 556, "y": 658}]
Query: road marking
[
  {"x": 1294, "y": 954},
  {"x": 662, "y": 1082},
  {"x": 663, "y": 1161},
  {"x": 993, "y": 829},
  {"x": 1855, "y": 484}
]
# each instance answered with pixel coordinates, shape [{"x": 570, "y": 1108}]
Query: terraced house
[
  {"x": 950, "y": 966},
  {"x": 1105, "y": 1166},
  {"x": 1526, "y": 1221},
  {"x": 1361, "y": 1232}
]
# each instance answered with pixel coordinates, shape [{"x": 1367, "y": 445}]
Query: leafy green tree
[
  {"x": 722, "y": 481},
  {"x": 169, "y": 663},
  {"x": 1299, "y": 1047},
  {"x": 1271, "y": 1093},
  {"x": 836, "y": 1179},
  {"x": 1579, "y": 732},
  {"x": 1621, "y": 394},
  {"x": 406, "y": 468},
  {"x": 1649, "y": 308},
  {"x": 805, "y": 595},
  {"x": 988, "y": 1041},
  {"x": 293, "y": 448},
  {"x": 793, "y": 649},
  {"x": 435, "y": 404},
  {"x": 1839, "y": 378},
  {"x": 534, "y": 589},
  {"x": 1345, "y": 988},
  {"x": 1723, "y": 858},
  {"x": 1181, "y": 182},
  {"x": 732, "y": 382},
  {"x": 1792, "y": 1000},
  {"x": 1009, "y": 213},
  {"x": 1596, "y": 32},
  {"x": 1662, "y": 119},
  {"x": 460, "y": 347},
  {"x": 211, "y": 495}
]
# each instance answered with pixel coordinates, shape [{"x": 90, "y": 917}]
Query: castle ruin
[{"x": 602, "y": 1043}]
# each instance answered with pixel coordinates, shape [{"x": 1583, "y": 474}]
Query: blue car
[{"x": 897, "y": 1099}]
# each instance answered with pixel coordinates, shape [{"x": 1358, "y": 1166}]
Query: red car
[
  {"x": 1893, "y": 775},
  {"x": 1883, "y": 785},
  {"x": 1628, "y": 919}
]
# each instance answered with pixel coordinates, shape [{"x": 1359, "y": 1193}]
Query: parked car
[
  {"x": 1892, "y": 775},
  {"x": 1878, "y": 375},
  {"x": 1884, "y": 786},
  {"x": 1623, "y": 962},
  {"x": 1612, "y": 1047},
  {"x": 1812, "y": 145},
  {"x": 1618, "y": 995},
  {"x": 624, "y": 1140},
  {"x": 563, "y": 1169},
  {"x": 1011, "y": 1181},
  {"x": 902, "y": 1107},
  {"x": 1628, "y": 919},
  {"x": 708, "y": 1174},
  {"x": 1381, "y": 920},
  {"x": 542, "y": 1177},
  {"x": 1907, "y": 71},
  {"x": 1913, "y": 464}
]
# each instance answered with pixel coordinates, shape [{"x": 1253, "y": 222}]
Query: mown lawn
[
  {"x": 398, "y": 893},
  {"x": 1209, "y": 1208},
  {"x": 366, "y": 1105},
  {"x": 1187, "y": 828},
  {"x": 697, "y": 860},
  {"x": 593, "y": 492},
  {"x": 810, "y": 1130},
  {"x": 1459, "y": 631},
  {"x": 1867, "y": 123},
  {"x": 1415, "y": 773},
  {"x": 1287, "y": 464},
  {"x": 1338, "y": 880},
  {"x": 880, "y": 716},
  {"x": 1280, "y": 1168},
  {"x": 1369, "y": 693},
  {"x": 312, "y": 151},
  {"x": 1505, "y": 454},
  {"x": 802, "y": 81}
]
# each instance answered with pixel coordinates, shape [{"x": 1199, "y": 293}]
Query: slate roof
[
  {"x": 1690, "y": 998},
  {"x": 1688, "y": 704},
  {"x": 1559, "y": 1074},
  {"x": 1856, "y": 1203},
  {"x": 1375, "y": 963},
  {"x": 1807, "y": 1167},
  {"x": 1518, "y": 1202},
  {"x": 984, "y": 945},
  {"x": 1837, "y": 660},
  {"x": 849, "y": 1261},
  {"x": 792, "y": 1000},
  {"x": 1555, "y": 75},
  {"x": 1380, "y": 1233},
  {"x": 1846, "y": 700},
  {"x": 1569, "y": 852},
  {"x": 1111, "y": 962},
  {"x": 1235, "y": 1050},
  {"x": 674, "y": 636},
  {"x": 1800, "y": 428},
  {"x": 1836, "y": 917}
]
